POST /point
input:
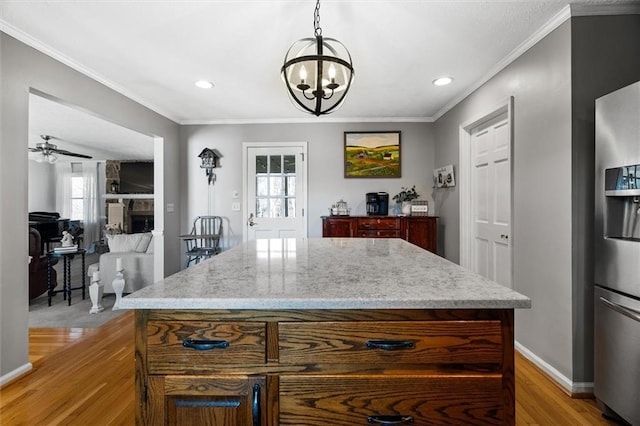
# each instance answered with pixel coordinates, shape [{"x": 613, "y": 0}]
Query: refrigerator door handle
[{"x": 626, "y": 311}]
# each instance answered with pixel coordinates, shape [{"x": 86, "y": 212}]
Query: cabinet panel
[
  {"x": 407, "y": 399},
  {"x": 166, "y": 351},
  {"x": 421, "y": 231},
  {"x": 337, "y": 227},
  {"x": 214, "y": 400},
  {"x": 442, "y": 342}
]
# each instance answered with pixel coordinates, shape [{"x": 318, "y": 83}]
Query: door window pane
[
  {"x": 291, "y": 186},
  {"x": 291, "y": 207},
  {"x": 261, "y": 164},
  {"x": 275, "y": 187},
  {"x": 262, "y": 205},
  {"x": 262, "y": 188},
  {"x": 289, "y": 164},
  {"x": 276, "y": 207},
  {"x": 276, "y": 164}
]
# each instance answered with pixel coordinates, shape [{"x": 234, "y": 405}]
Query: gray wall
[
  {"x": 554, "y": 86},
  {"x": 540, "y": 82},
  {"x": 325, "y": 167},
  {"x": 41, "y": 193},
  {"x": 600, "y": 65},
  {"x": 22, "y": 69}
]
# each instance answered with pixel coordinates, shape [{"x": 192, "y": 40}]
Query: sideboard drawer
[
  {"x": 379, "y": 223},
  {"x": 433, "y": 342},
  {"x": 404, "y": 399},
  {"x": 208, "y": 344},
  {"x": 385, "y": 233}
]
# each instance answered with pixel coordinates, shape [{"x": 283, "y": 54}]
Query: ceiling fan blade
[
  {"x": 70, "y": 154},
  {"x": 35, "y": 149}
]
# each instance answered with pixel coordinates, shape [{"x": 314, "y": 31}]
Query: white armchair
[{"x": 136, "y": 252}]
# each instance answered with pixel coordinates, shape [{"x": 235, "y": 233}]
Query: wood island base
[{"x": 320, "y": 367}]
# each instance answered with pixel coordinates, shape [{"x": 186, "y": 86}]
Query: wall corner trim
[{"x": 18, "y": 372}]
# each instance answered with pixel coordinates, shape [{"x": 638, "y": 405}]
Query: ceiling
[
  {"x": 154, "y": 51},
  {"x": 80, "y": 132}
]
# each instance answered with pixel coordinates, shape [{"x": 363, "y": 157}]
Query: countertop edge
[{"x": 262, "y": 304}]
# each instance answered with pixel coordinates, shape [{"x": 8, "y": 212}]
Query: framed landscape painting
[{"x": 372, "y": 154}]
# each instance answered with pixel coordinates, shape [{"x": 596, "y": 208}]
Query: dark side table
[{"x": 67, "y": 257}]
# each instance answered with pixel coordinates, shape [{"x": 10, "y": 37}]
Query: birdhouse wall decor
[{"x": 210, "y": 160}]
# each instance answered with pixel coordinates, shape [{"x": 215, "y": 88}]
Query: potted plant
[{"x": 404, "y": 197}]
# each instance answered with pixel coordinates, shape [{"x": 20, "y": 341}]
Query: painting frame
[{"x": 373, "y": 154}]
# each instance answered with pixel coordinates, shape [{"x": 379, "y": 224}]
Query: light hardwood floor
[{"x": 85, "y": 377}]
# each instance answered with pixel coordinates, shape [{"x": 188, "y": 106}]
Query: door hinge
[
  {"x": 302, "y": 212},
  {"x": 302, "y": 154}
]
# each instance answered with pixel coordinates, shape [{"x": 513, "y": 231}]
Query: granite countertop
[{"x": 326, "y": 273}]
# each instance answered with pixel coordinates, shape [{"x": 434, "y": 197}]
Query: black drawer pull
[
  {"x": 205, "y": 345},
  {"x": 255, "y": 406},
  {"x": 390, "y": 420},
  {"x": 390, "y": 345}
]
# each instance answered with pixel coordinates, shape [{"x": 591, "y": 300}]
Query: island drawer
[
  {"x": 182, "y": 346},
  {"x": 438, "y": 342},
  {"x": 416, "y": 400},
  {"x": 378, "y": 223}
]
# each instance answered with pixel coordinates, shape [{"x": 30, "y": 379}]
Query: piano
[{"x": 50, "y": 227}]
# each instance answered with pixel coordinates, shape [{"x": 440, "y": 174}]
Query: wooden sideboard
[
  {"x": 317, "y": 367},
  {"x": 419, "y": 230}
]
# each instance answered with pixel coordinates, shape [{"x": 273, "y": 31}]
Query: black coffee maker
[{"x": 377, "y": 203}]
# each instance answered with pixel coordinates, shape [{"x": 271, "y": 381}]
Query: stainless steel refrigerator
[{"x": 617, "y": 254}]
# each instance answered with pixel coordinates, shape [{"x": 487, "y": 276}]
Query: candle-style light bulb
[
  {"x": 303, "y": 74},
  {"x": 332, "y": 73}
]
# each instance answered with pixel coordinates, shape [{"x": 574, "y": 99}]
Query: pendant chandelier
[{"x": 317, "y": 71}]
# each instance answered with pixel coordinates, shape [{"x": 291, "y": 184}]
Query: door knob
[
  {"x": 504, "y": 236},
  {"x": 251, "y": 221}
]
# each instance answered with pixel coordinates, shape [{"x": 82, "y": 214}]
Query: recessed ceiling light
[
  {"x": 442, "y": 81},
  {"x": 204, "y": 84}
]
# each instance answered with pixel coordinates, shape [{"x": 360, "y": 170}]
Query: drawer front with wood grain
[
  {"x": 384, "y": 233},
  {"x": 469, "y": 399},
  {"x": 439, "y": 342},
  {"x": 378, "y": 223},
  {"x": 186, "y": 346}
]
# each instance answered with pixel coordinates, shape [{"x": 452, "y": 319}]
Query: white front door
[
  {"x": 491, "y": 199},
  {"x": 276, "y": 190}
]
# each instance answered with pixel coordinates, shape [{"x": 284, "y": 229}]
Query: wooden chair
[{"x": 204, "y": 239}]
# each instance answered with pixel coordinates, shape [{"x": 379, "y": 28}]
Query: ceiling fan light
[{"x": 51, "y": 158}]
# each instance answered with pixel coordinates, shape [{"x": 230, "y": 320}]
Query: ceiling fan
[{"x": 50, "y": 151}]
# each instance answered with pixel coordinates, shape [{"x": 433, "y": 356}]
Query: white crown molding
[
  {"x": 49, "y": 51},
  {"x": 566, "y": 13},
  {"x": 542, "y": 32},
  {"x": 308, "y": 119},
  {"x": 558, "y": 19}
]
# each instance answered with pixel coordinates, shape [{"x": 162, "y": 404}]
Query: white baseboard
[
  {"x": 563, "y": 381},
  {"x": 15, "y": 373}
]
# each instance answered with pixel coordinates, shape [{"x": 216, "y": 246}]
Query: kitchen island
[{"x": 325, "y": 331}]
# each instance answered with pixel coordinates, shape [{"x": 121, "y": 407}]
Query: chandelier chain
[{"x": 316, "y": 20}]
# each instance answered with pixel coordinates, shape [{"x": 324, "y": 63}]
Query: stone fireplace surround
[{"x": 138, "y": 211}]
